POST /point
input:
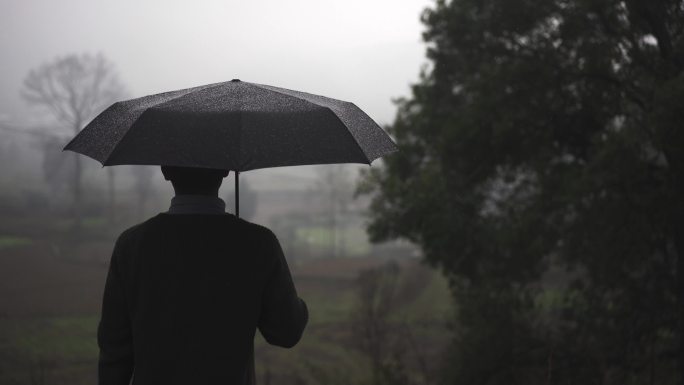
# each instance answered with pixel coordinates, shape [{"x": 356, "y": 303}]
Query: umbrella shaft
[{"x": 237, "y": 194}]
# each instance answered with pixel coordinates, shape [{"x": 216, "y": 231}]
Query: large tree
[
  {"x": 75, "y": 88},
  {"x": 541, "y": 166}
]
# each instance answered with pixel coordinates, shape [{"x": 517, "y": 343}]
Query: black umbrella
[{"x": 233, "y": 125}]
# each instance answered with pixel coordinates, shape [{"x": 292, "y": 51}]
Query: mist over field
[
  {"x": 529, "y": 229},
  {"x": 54, "y": 259}
]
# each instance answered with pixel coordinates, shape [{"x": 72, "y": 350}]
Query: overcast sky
[{"x": 363, "y": 51}]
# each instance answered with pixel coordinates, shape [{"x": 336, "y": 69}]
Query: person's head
[{"x": 193, "y": 180}]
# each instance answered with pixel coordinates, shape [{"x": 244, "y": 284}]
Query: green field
[
  {"x": 46, "y": 347},
  {"x": 350, "y": 241},
  {"x": 12, "y": 241}
]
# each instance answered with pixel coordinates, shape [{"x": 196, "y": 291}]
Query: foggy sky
[{"x": 363, "y": 51}]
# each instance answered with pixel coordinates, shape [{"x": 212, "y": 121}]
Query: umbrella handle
[{"x": 237, "y": 194}]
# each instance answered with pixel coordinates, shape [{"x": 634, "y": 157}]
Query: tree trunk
[
  {"x": 333, "y": 225},
  {"x": 110, "y": 187},
  {"x": 76, "y": 187},
  {"x": 77, "y": 209}
]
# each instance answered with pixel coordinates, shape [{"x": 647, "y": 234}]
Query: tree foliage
[{"x": 541, "y": 166}]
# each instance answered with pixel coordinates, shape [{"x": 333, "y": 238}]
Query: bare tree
[
  {"x": 56, "y": 172},
  {"x": 74, "y": 88}
]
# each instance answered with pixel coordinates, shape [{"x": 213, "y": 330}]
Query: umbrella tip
[{"x": 235, "y": 80}]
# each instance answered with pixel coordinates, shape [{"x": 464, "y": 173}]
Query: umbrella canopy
[{"x": 232, "y": 125}]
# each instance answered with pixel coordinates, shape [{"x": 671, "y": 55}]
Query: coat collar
[{"x": 197, "y": 204}]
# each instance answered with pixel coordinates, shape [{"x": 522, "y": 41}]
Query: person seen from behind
[{"x": 188, "y": 288}]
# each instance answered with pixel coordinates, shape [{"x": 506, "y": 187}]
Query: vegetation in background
[
  {"x": 249, "y": 199},
  {"x": 335, "y": 184},
  {"x": 11, "y": 241},
  {"x": 73, "y": 89},
  {"x": 541, "y": 167},
  {"x": 409, "y": 301}
]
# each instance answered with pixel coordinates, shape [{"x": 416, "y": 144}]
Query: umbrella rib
[
  {"x": 328, "y": 108},
  {"x": 194, "y": 89}
]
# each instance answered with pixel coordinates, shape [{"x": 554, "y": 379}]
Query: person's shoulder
[
  {"x": 261, "y": 240},
  {"x": 254, "y": 228},
  {"x": 133, "y": 232}
]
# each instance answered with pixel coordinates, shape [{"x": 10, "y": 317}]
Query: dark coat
[{"x": 184, "y": 296}]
